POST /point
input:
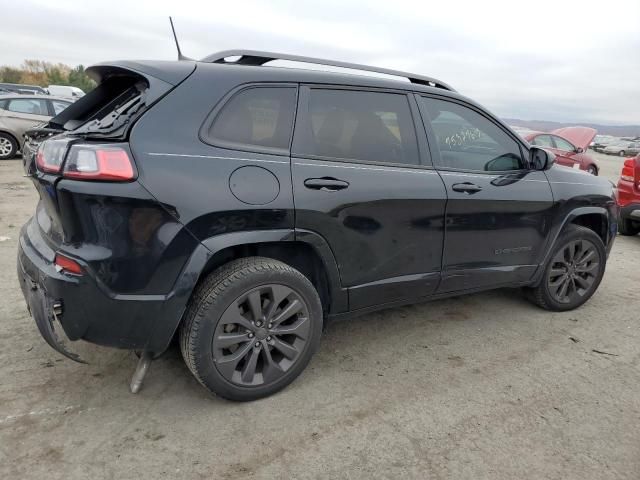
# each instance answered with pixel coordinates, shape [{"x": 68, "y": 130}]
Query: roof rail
[{"x": 256, "y": 57}]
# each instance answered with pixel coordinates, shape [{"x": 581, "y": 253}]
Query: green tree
[
  {"x": 79, "y": 78},
  {"x": 10, "y": 75}
]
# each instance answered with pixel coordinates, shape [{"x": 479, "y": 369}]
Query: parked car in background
[
  {"x": 26, "y": 89},
  {"x": 65, "y": 91},
  {"x": 623, "y": 149},
  {"x": 376, "y": 193},
  {"x": 601, "y": 141},
  {"x": 19, "y": 113},
  {"x": 569, "y": 145},
  {"x": 628, "y": 197}
]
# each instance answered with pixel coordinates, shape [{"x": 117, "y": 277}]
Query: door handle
[
  {"x": 466, "y": 187},
  {"x": 328, "y": 184}
]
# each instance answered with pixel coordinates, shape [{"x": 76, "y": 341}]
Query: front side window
[
  {"x": 470, "y": 141},
  {"x": 543, "y": 141},
  {"x": 358, "y": 125},
  {"x": 28, "y": 105},
  {"x": 562, "y": 144},
  {"x": 59, "y": 106},
  {"x": 256, "y": 117}
]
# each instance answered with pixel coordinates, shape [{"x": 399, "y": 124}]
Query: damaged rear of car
[{"x": 91, "y": 249}]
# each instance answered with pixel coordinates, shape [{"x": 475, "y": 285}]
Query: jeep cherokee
[{"x": 241, "y": 207}]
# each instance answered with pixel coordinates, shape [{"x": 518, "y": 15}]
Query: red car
[
  {"x": 569, "y": 145},
  {"x": 628, "y": 197}
]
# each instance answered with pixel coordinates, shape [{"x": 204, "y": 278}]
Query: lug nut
[
  {"x": 270, "y": 325},
  {"x": 250, "y": 334},
  {"x": 269, "y": 338},
  {"x": 257, "y": 344},
  {"x": 258, "y": 323}
]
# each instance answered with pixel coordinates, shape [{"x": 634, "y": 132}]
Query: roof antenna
[{"x": 180, "y": 56}]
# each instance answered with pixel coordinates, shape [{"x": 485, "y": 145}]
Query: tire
[
  {"x": 222, "y": 338},
  {"x": 587, "y": 272},
  {"x": 8, "y": 146},
  {"x": 592, "y": 170},
  {"x": 627, "y": 227},
  {"x": 622, "y": 153}
]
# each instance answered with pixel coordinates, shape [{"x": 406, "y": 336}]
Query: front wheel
[
  {"x": 8, "y": 146},
  {"x": 592, "y": 170},
  {"x": 251, "y": 328},
  {"x": 573, "y": 272},
  {"x": 622, "y": 153}
]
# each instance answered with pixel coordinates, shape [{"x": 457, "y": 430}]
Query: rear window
[{"x": 257, "y": 117}]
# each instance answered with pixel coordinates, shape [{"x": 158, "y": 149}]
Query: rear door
[
  {"x": 498, "y": 211},
  {"x": 23, "y": 113},
  {"x": 363, "y": 181}
]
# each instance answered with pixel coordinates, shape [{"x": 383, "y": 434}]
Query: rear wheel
[
  {"x": 251, "y": 328},
  {"x": 8, "y": 146},
  {"x": 622, "y": 153},
  {"x": 628, "y": 227},
  {"x": 574, "y": 271}
]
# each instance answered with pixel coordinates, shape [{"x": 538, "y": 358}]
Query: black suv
[{"x": 241, "y": 207}]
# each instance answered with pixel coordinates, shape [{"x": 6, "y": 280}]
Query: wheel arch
[
  {"x": 594, "y": 218},
  {"x": 305, "y": 251}
]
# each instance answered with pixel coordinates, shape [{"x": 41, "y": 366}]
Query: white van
[{"x": 65, "y": 91}]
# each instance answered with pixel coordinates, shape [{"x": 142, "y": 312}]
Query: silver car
[
  {"x": 624, "y": 149},
  {"x": 19, "y": 113}
]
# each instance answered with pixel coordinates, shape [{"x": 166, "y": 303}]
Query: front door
[
  {"x": 24, "y": 113},
  {"x": 362, "y": 180},
  {"x": 498, "y": 210}
]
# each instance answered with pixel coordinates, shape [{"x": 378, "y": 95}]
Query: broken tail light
[
  {"x": 99, "y": 162},
  {"x": 67, "y": 265}
]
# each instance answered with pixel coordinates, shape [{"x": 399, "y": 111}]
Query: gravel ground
[{"x": 483, "y": 386}]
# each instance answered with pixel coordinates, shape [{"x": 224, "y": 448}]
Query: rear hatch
[{"x": 101, "y": 119}]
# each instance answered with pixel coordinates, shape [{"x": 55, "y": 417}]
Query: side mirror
[
  {"x": 541, "y": 159},
  {"x": 579, "y": 150}
]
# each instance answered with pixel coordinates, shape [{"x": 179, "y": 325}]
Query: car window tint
[
  {"x": 469, "y": 141},
  {"x": 28, "y": 105},
  {"x": 542, "y": 141},
  {"x": 370, "y": 126},
  {"x": 258, "y": 116},
  {"x": 59, "y": 106},
  {"x": 562, "y": 144}
]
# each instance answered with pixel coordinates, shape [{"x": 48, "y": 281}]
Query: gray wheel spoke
[
  {"x": 255, "y": 305},
  {"x": 557, "y": 281},
  {"x": 562, "y": 291},
  {"x": 271, "y": 369},
  {"x": 232, "y": 316},
  {"x": 278, "y": 294},
  {"x": 287, "y": 350},
  {"x": 586, "y": 257},
  {"x": 554, "y": 272},
  {"x": 581, "y": 282},
  {"x": 300, "y": 328},
  {"x": 228, "y": 339},
  {"x": 249, "y": 369},
  {"x": 587, "y": 268},
  {"x": 294, "y": 307},
  {"x": 227, "y": 363}
]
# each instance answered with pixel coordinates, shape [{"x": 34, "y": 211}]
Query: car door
[
  {"x": 547, "y": 142},
  {"x": 24, "y": 113},
  {"x": 566, "y": 153},
  {"x": 498, "y": 210},
  {"x": 363, "y": 182}
]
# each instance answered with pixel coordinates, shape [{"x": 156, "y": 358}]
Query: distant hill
[{"x": 545, "y": 126}]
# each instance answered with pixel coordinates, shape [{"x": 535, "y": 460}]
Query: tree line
[{"x": 38, "y": 72}]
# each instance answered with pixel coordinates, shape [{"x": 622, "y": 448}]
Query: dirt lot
[{"x": 485, "y": 386}]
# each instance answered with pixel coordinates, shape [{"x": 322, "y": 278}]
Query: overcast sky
[{"x": 573, "y": 61}]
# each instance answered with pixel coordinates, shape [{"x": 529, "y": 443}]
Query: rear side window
[
  {"x": 59, "y": 106},
  {"x": 259, "y": 117},
  {"x": 562, "y": 144},
  {"x": 470, "y": 141},
  {"x": 369, "y": 126},
  {"x": 32, "y": 106}
]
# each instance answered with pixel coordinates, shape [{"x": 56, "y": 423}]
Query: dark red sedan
[{"x": 569, "y": 145}]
